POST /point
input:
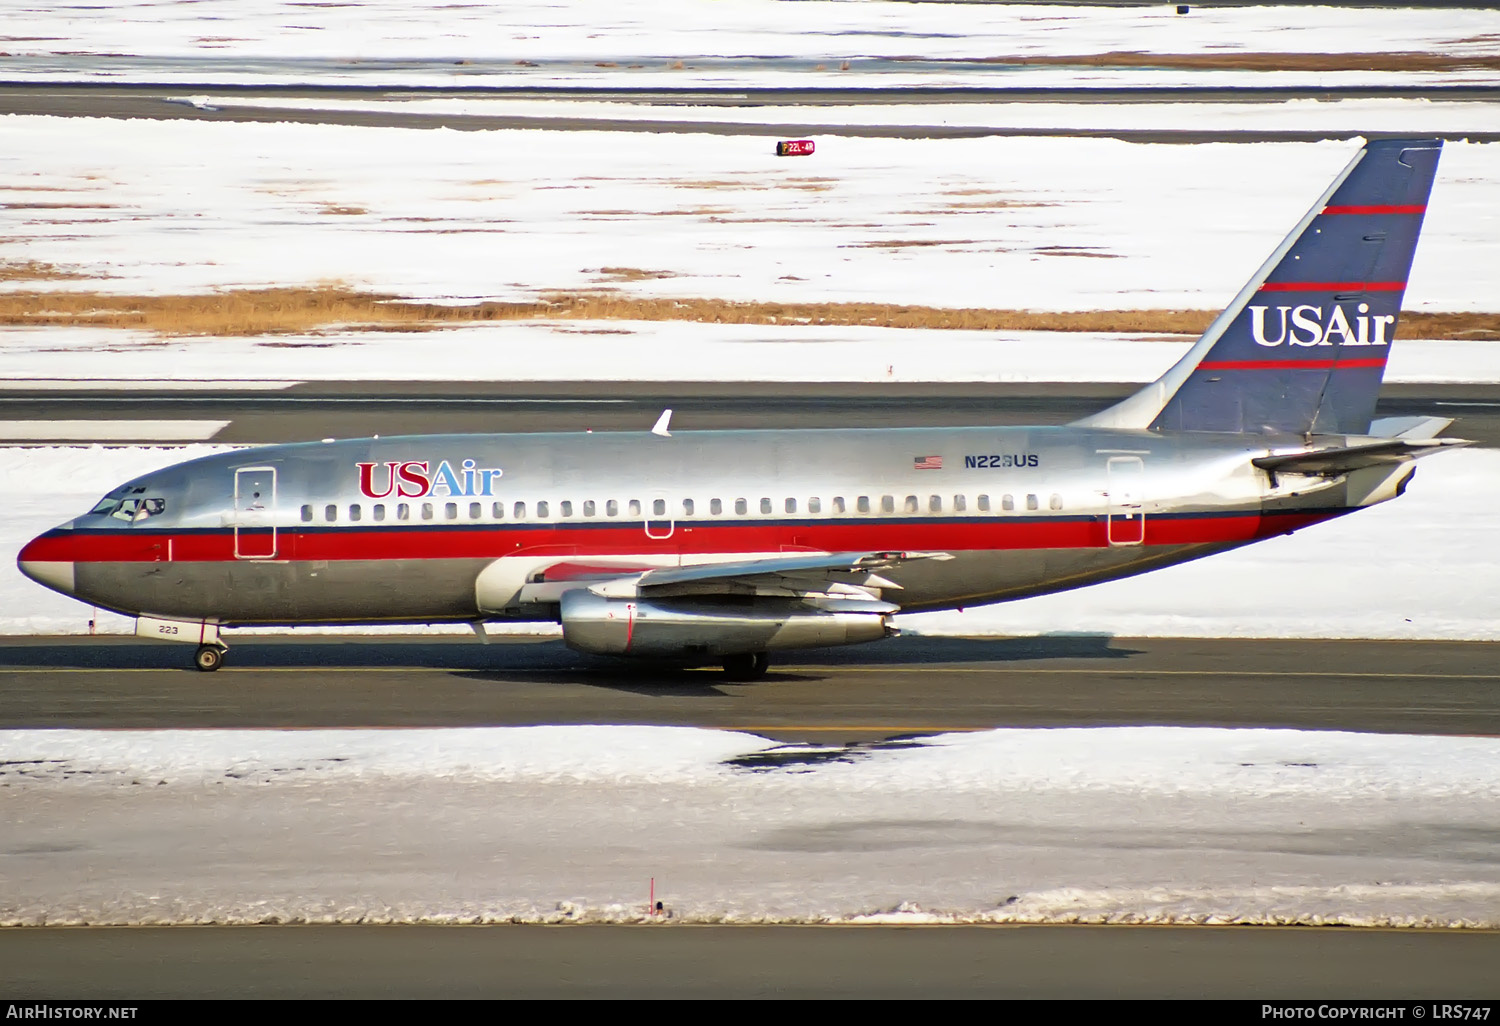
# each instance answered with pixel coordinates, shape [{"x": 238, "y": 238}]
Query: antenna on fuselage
[{"x": 661, "y": 424}]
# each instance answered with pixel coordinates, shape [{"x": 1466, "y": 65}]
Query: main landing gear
[
  {"x": 209, "y": 657},
  {"x": 746, "y": 665}
]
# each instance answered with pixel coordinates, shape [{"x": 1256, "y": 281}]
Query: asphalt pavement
[
  {"x": 312, "y": 410},
  {"x": 901, "y": 687},
  {"x": 667, "y": 961}
]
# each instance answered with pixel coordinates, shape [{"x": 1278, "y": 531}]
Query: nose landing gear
[{"x": 209, "y": 657}]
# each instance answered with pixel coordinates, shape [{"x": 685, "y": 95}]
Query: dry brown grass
[
  {"x": 35, "y": 270},
  {"x": 1399, "y": 60},
  {"x": 716, "y": 183},
  {"x": 59, "y": 206},
  {"x": 631, "y": 274},
  {"x": 331, "y": 307},
  {"x": 1076, "y": 251},
  {"x": 994, "y": 204},
  {"x": 909, "y": 243}
]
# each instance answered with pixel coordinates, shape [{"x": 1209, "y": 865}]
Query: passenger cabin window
[
  {"x": 403, "y": 511},
  {"x": 635, "y": 509},
  {"x": 838, "y": 504},
  {"x": 450, "y": 510},
  {"x": 519, "y": 512},
  {"x": 791, "y": 505},
  {"x": 658, "y": 507},
  {"x": 1008, "y": 503},
  {"x": 687, "y": 507},
  {"x": 588, "y": 507},
  {"x": 377, "y": 511},
  {"x": 497, "y": 510},
  {"x": 330, "y": 513},
  {"x": 815, "y": 505},
  {"x": 542, "y": 510},
  {"x": 765, "y": 505},
  {"x": 612, "y": 508},
  {"x": 934, "y": 503},
  {"x": 960, "y": 503},
  {"x": 887, "y": 504},
  {"x": 426, "y": 511},
  {"x": 1055, "y": 502},
  {"x": 863, "y": 505},
  {"x": 716, "y": 506},
  {"x": 354, "y": 512},
  {"x": 1031, "y": 502},
  {"x": 307, "y": 514},
  {"x": 984, "y": 504},
  {"x": 910, "y": 505},
  {"x": 476, "y": 510},
  {"x": 565, "y": 508},
  {"x": 741, "y": 507}
]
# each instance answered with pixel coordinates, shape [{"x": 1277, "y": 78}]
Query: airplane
[{"x": 719, "y": 547}]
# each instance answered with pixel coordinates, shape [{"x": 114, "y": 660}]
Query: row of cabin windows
[{"x": 611, "y": 508}]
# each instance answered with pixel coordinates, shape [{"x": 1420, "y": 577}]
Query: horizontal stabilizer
[{"x": 1342, "y": 459}]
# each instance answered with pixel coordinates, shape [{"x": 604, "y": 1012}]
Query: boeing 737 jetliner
[{"x": 719, "y": 546}]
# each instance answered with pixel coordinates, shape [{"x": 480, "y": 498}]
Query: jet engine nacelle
[{"x": 672, "y": 629}]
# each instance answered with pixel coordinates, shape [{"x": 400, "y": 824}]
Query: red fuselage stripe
[
  {"x": 1333, "y": 286},
  {"x": 496, "y": 540},
  {"x": 1289, "y": 364},
  {"x": 1409, "y": 209}
]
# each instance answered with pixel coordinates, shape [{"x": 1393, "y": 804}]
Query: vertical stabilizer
[{"x": 1303, "y": 347}]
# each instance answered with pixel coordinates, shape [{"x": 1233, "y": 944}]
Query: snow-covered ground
[
  {"x": 51, "y": 358},
  {"x": 1144, "y": 824},
  {"x": 1045, "y": 224},
  {"x": 1421, "y": 566},
  {"x": 667, "y": 43}
]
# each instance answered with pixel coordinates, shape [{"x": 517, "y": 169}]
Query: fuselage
[{"x": 451, "y": 528}]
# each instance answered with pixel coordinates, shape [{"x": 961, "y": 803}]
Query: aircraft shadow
[{"x": 542, "y": 660}]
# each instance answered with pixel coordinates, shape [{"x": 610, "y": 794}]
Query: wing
[
  {"x": 848, "y": 576},
  {"x": 832, "y": 578}
]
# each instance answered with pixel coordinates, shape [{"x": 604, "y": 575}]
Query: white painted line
[{"x": 109, "y": 430}]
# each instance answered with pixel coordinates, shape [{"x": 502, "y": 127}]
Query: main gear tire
[{"x": 746, "y": 666}]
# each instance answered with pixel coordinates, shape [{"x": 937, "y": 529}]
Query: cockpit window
[{"x": 130, "y": 510}]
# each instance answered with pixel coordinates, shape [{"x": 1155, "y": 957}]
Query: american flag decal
[{"x": 927, "y": 463}]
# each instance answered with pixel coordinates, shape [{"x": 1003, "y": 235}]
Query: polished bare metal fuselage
[{"x": 1021, "y": 510}]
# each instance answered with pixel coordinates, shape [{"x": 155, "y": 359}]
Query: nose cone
[{"x": 42, "y": 561}]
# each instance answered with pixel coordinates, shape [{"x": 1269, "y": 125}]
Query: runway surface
[
  {"x": 1260, "y": 963},
  {"x": 159, "y": 101},
  {"x": 907, "y": 686},
  {"x": 315, "y": 410}
]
